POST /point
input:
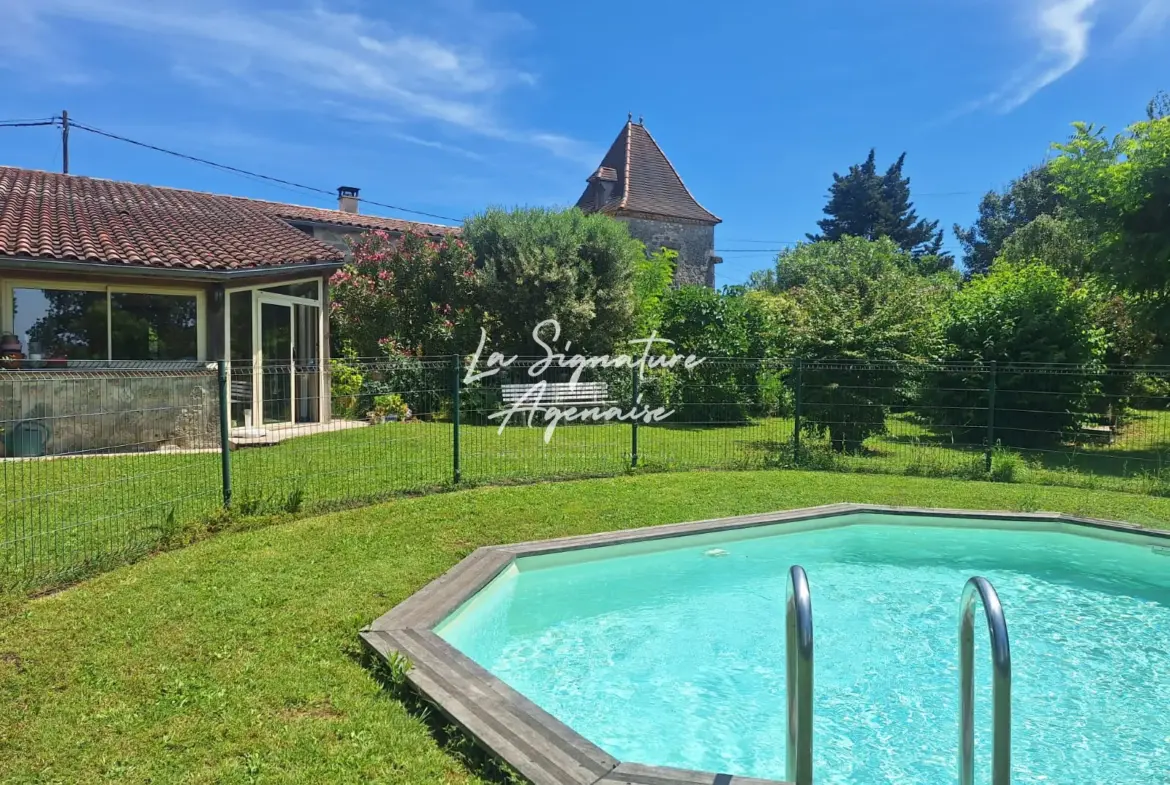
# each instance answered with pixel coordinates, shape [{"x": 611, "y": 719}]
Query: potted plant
[
  {"x": 10, "y": 353},
  {"x": 389, "y": 408}
]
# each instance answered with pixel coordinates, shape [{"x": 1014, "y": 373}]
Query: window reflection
[
  {"x": 153, "y": 327},
  {"x": 60, "y": 323}
]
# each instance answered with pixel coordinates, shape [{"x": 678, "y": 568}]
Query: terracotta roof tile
[
  {"x": 646, "y": 182},
  {"x": 44, "y": 215}
]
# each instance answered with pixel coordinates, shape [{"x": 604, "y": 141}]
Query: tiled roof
[
  {"x": 645, "y": 181},
  {"x": 296, "y": 212},
  {"x": 44, "y": 215}
]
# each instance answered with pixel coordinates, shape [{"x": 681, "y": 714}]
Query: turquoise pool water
[{"x": 669, "y": 655}]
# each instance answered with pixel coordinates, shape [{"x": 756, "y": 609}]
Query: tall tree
[
  {"x": 866, "y": 204},
  {"x": 1120, "y": 189},
  {"x": 1159, "y": 106},
  {"x": 1002, "y": 213}
]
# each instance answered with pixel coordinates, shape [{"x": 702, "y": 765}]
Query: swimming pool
[{"x": 670, "y": 652}]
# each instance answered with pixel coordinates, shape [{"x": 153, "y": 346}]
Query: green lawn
[
  {"x": 236, "y": 660},
  {"x": 71, "y": 516}
]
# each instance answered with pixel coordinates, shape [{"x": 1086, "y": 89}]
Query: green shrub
[
  {"x": 716, "y": 326},
  {"x": 1006, "y": 466},
  {"x": 1020, "y": 317},
  {"x": 536, "y": 263},
  {"x": 412, "y": 294},
  {"x": 391, "y": 405},
  {"x": 865, "y": 318},
  {"x": 345, "y": 384}
]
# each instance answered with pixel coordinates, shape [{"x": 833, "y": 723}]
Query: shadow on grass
[{"x": 451, "y": 738}]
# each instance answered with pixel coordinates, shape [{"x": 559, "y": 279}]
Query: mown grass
[
  {"x": 236, "y": 660},
  {"x": 69, "y": 517}
]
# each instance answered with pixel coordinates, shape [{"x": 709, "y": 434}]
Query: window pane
[
  {"x": 240, "y": 353},
  {"x": 60, "y": 323},
  {"x": 308, "y": 290},
  {"x": 153, "y": 327}
]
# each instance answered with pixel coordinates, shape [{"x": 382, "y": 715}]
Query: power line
[
  {"x": 778, "y": 242},
  {"x": 246, "y": 173},
  {"x": 60, "y": 120},
  {"x": 26, "y": 123}
]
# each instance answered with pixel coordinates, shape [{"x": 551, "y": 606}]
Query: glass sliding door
[
  {"x": 275, "y": 337},
  {"x": 276, "y": 366},
  {"x": 307, "y": 361}
]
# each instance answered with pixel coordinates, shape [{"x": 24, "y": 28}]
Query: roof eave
[
  {"x": 119, "y": 269},
  {"x": 629, "y": 213}
]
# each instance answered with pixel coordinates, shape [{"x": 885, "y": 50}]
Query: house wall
[
  {"x": 337, "y": 237},
  {"x": 144, "y": 407},
  {"x": 694, "y": 242}
]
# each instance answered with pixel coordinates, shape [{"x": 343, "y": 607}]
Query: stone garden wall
[{"x": 65, "y": 411}]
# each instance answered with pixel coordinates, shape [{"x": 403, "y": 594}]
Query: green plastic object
[{"x": 27, "y": 439}]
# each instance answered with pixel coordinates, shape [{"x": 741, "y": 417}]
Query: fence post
[
  {"x": 634, "y": 423},
  {"x": 796, "y": 373},
  {"x": 225, "y": 446},
  {"x": 456, "y": 372},
  {"x": 990, "y": 418}
]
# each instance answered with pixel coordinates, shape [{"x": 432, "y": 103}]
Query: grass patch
[
  {"x": 66, "y": 518},
  {"x": 236, "y": 660}
]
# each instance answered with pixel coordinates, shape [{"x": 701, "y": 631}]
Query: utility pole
[{"x": 64, "y": 141}]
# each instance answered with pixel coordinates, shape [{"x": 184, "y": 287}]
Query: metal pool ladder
[
  {"x": 798, "y": 683},
  {"x": 1001, "y": 685}
]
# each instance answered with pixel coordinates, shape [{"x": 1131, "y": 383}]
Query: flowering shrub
[{"x": 405, "y": 296}]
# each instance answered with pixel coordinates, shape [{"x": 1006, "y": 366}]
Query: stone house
[
  {"x": 637, "y": 184},
  {"x": 116, "y": 298}
]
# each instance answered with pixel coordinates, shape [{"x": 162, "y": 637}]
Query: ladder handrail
[
  {"x": 1001, "y": 685},
  {"x": 799, "y": 677}
]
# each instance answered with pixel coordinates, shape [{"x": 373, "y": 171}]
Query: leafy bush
[
  {"x": 720, "y": 328},
  {"x": 652, "y": 279},
  {"x": 412, "y": 292},
  {"x": 538, "y": 264},
  {"x": 345, "y": 385},
  {"x": 1151, "y": 391},
  {"x": 389, "y": 406},
  {"x": 863, "y": 319},
  {"x": 1006, "y": 466},
  {"x": 404, "y": 375},
  {"x": 1017, "y": 316}
]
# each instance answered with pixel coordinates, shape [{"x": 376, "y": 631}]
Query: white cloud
[
  {"x": 1059, "y": 33},
  {"x": 1061, "y": 28},
  {"x": 442, "y": 66},
  {"x": 1151, "y": 18}
]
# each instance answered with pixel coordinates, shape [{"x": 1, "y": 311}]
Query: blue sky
[{"x": 452, "y": 105}]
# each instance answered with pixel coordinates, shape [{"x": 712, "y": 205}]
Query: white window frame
[
  {"x": 259, "y": 295},
  {"x": 7, "y": 317}
]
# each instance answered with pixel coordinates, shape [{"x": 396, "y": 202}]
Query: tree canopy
[
  {"x": 864, "y": 203},
  {"x": 1002, "y": 213},
  {"x": 1120, "y": 189},
  {"x": 537, "y": 264}
]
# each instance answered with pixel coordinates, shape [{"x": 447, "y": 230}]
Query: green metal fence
[{"x": 103, "y": 464}]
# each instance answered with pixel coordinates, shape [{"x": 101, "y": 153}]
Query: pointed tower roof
[{"x": 636, "y": 177}]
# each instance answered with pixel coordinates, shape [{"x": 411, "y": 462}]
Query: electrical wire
[{"x": 245, "y": 172}]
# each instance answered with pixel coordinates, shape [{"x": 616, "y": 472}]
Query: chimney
[{"x": 347, "y": 199}]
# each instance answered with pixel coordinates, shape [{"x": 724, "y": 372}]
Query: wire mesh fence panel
[
  {"x": 309, "y": 436},
  {"x": 505, "y": 417},
  {"x": 101, "y": 463},
  {"x": 724, "y": 413},
  {"x": 1088, "y": 427},
  {"x": 897, "y": 418}
]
